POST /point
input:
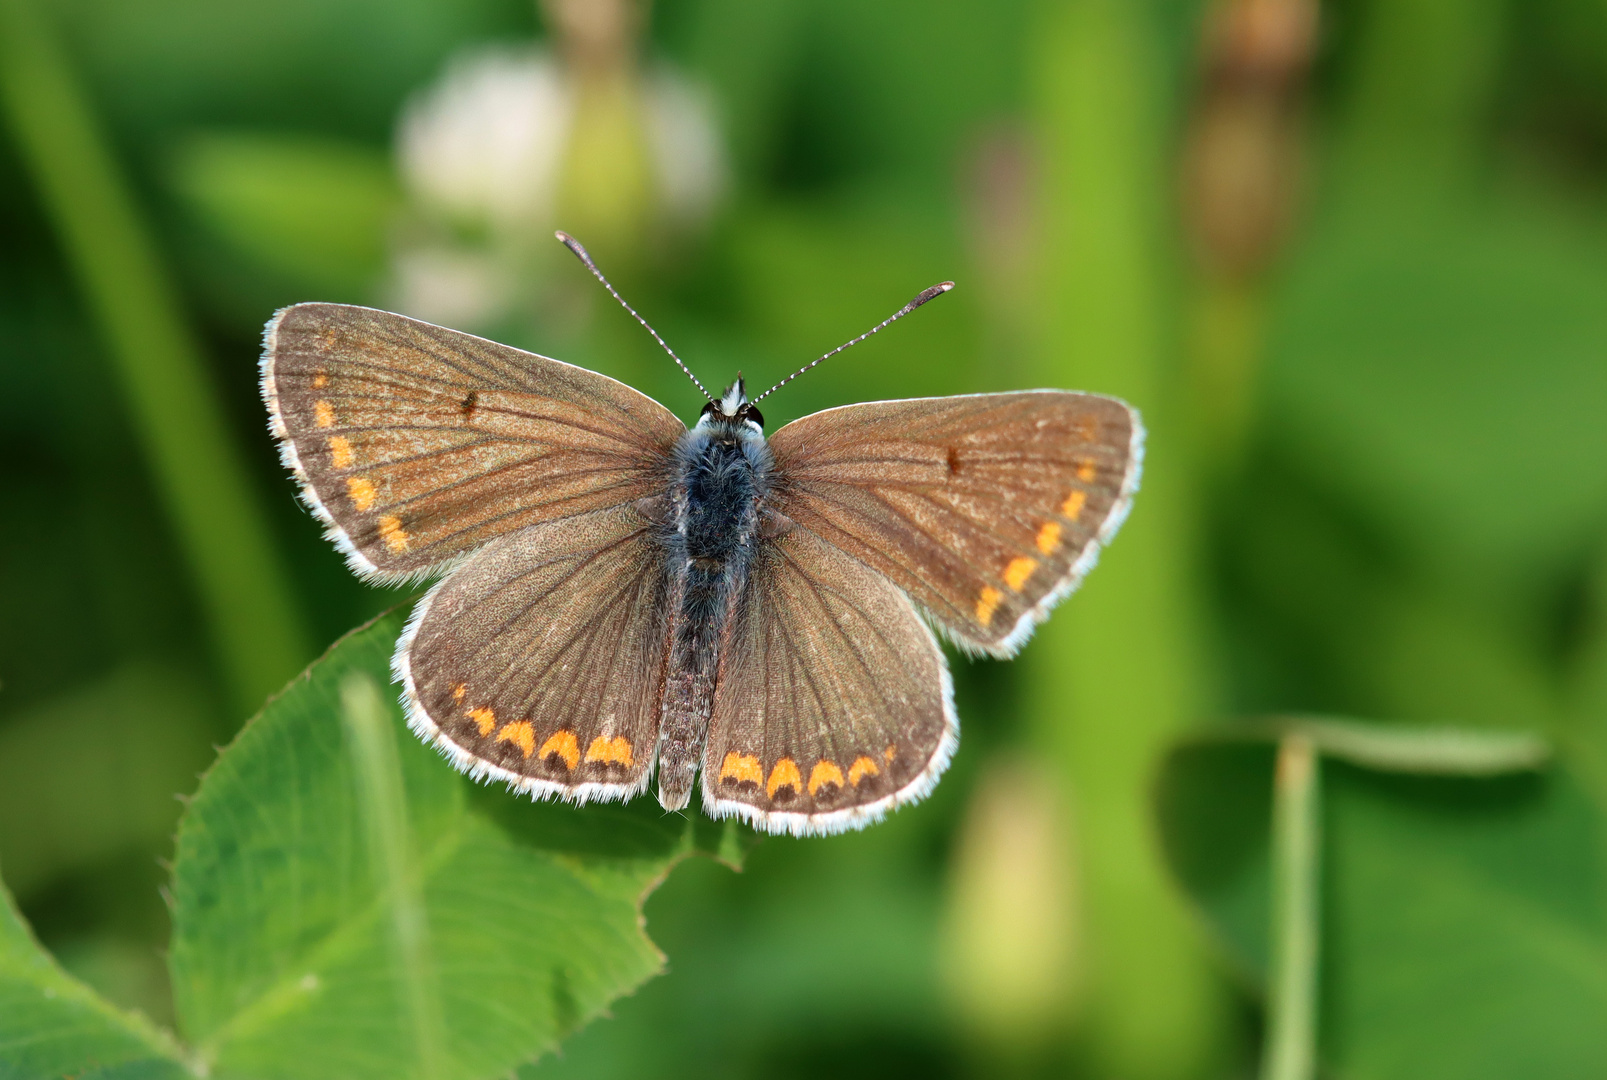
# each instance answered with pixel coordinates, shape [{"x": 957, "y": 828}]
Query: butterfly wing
[
  {"x": 833, "y": 702},
  {"x": 540, "y": 660},
  {"x": 987, "y": 509},
  {"x": 416, "y": 444}
]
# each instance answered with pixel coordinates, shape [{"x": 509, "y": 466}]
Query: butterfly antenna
[
  {"x": 580, "y": 253},
  {"x": 926, "y": 294}
]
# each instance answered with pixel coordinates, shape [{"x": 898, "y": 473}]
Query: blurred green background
[{"x": 1349, "y": 258}]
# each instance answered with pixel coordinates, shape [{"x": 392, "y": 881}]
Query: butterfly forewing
[
  {"x": 833, "y": 701},
  {"x": 986, "y": 509},
  {"x": 540, "y": 660},
  {"x": 418, "y": 444}
]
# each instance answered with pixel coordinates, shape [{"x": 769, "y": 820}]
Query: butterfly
[{"x": 618, "y": 592}]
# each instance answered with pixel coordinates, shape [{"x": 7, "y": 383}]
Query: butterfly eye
[{"x": 748, "y": 412}]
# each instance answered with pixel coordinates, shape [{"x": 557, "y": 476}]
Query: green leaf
[
  {"x": 1463, "y": 929},
  {"x": 347, "y": 905},
  {"x": 52, "y": 1026}
]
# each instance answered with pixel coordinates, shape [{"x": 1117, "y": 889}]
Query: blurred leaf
[
  {"x": 1441, "y": 750},
  {"x": 1443, "y": 364},
  {"x": 1425, "y": 657},
  {"x": 52, "y": 1026},
  {"x": 1560, "y": 51},
  {"x": 826, "y": 95},
  {"x": 287, "y": 903},
  {"x": 817, "y": 960},
  {"x": 139, "y": 737},
  {"x": 323, "y": 65},
  {"x": 1586, "y": 735},
  {"x": 313, "y": 211},
  {"x": 1463, "y": 926}
]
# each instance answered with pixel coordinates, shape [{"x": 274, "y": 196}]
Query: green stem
[
  {"x": 242, "y": 586},
  {"x": 1291, "y": 1040},
  {"x": 393, "y": 862},
  {"x": 1224, "y": 359},
  {"x": 1119, "y": 670}
]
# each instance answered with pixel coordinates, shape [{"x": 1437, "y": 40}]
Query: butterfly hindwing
[
  {"x": 987, "y": 509},
  {"x": 417, "y": 444},
  {"x": 833, "y": 702},
  {"x": 540, "y": 660}
]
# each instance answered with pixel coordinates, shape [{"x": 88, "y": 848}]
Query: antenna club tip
[
  {"x": 930, "y": 294},
  {"x": 571, "y": 243}
]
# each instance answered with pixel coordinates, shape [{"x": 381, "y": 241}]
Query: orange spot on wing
[
  {"x": 340, "y": 451},
  {"x": 320, "y": 380},
  {"x": 323, "y": 413},
  {"x": 1073, "y": 504},
  {"x": 391, "y": 531},
  {"x": 861, "y": 768},
  {"x": 604, "y": 749},
  {"x": 1049, "y": 537},
  {"x": 890, "y": 753},
  {"x": 565, "y": 745},
  {"x": 987, "y": 604},
  {"x": 521, "y": 734},
  {"x": 485, "y": 718},
  {"x": 1086, "y": 471},
  {"x": 458, "y": 691},
  {"x": 1019, "y": 570},
  {"x": 741, "y": 767},
  {"x": 785, "y": 774},
  {"x": 361, "y": 490},
  {"x": 824, "y": 772}
]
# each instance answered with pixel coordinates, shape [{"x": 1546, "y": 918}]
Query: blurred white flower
[
  {"x": 688, "y": 158},
  {"x": 484, "y": 144},
  {"x": 485, "y": 155}
]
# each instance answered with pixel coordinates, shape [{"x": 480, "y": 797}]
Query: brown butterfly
[{"x": 618, "y": 591}]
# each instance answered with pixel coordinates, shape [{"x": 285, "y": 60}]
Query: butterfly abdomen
[{"x": 722, "y": 474}]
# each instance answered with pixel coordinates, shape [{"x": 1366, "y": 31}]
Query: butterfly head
[{"x": 732, "y": 410}]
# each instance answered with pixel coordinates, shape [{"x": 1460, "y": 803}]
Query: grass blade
[{"x": 243, "y": 588}]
